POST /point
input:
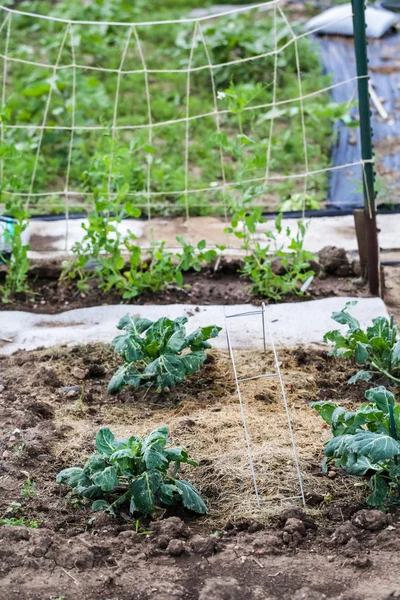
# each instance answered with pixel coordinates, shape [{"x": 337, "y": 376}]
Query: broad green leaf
[
  {"x": 361, "y": 354},
  {"x": 100, "y": 505},
  {"x": 177, "y": 341},
  {"x": 379, "y": 329},
  {"x": 129, "y": 346},
  {"x": 360, "y": 376},
  {"x": 338, "y": 446},
  {"x": 124, "y": 376},
  {"x": 193, "y": 361},
  {"x": 168, "y": 369},
  {"x": 379, "y": 489},
  {"x": 169, "y": 494},
  {"x": 89, "y": 491},
  {"x": 376, "y": 446},
  {"x": 190, "y": 497},
  {"x": 345, "y": 318},
  {"x": 136, "y": 325},
  {"x": 105, "y": 441},
  {"x": 71, "y": 476},
  {"x": 379, "y": 344},
  {"x": 358, "y": 465},
  {"x": 156, "y": 439},
  {"x": 107, "y": 479},
  {"x": 381, "y": 397},
  {"x": 143, "y": 489},
  {"x": 124, "y": 453},
  {"x": 198, "y": 339},
  {"x": 154, "y": 459},
  {"x": 96, "y": 463},
  {"x": 395, "y": 356},
  {"x": 179, "y": 454},
  {"x": 325, "y": 410}
]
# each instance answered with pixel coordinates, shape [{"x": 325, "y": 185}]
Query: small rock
[
  {"x": 187, "y": 424},
  {"x": 361, "y": 562},
  {"x": 72, "y": 394},
  {"x": 221, "y": 588},
  {"x": 295, "y": 512},
  {"x": 5, "y": 454},
  {"x": 79, "y": 373},
  {"x": 332, "y": 474},
  {"x": 295, "y": 526},
  {"x": 2, "y": 388},
  {"x": 331, "y": 258},
  {"x": 344, "y": 533},
  {"x": 171, "y": 528},
  {"x": 176, "y": 548},
  {"x": 370, "y": 519},
  {"x": 205, "y": 546},
  {"x": 277, "y": 267},
  {"x": 71, "y": 388},
  {"x": 96, "y": 371}
]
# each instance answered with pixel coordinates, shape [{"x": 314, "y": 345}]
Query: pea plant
[
  {"x": 158, "y": 353},
  {"x": 366, "y": 442},
  {"x": 136, "y": 472},
  {"x": 260, "y": 261},
  {"x": 16, "y": 258},
  {"x": 376, "y": 349}
]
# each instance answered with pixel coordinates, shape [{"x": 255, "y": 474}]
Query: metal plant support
[{"x": 369, "y": 217}]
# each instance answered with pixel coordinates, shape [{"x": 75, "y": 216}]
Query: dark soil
[
  {"x": 222, "y": 286},
  {"x": 51, "y": 404}
]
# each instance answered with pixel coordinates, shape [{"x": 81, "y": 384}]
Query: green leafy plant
[
  {"x": 13, "y": 518},
  {"x": 29, "y": 489},
  {"x": 273, "y": 271},
  {"x": 136, "y": 472},
  {"x": 17, "y": 262},
  {"x": 366, "y": 442},
  {"x": 376, "y": 349},
  {"x": 158, "y": 353}
]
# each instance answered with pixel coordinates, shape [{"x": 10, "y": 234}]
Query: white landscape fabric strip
[
  {"x": 291, "y": 323},
  {"x": 338, "y": 21}
]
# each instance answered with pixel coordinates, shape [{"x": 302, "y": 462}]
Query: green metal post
[{"x": 371, "y": 231}]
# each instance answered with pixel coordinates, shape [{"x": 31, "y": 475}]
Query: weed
[
  {"x": 29, "y": 489},
  {"x": 18, "y": 263}
]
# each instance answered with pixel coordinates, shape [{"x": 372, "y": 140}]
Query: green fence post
[{"x": 371, "y": 231}]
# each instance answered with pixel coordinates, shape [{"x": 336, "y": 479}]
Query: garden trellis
[
  {"x": 150, "y": 156},
  {"x": 268, "y": 345}
]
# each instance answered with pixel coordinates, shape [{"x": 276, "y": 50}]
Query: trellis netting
[{"x": 183, "y": 117}]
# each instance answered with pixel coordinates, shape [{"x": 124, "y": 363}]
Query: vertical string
[
  {"x": 275, "y": 83},
  {"x": 115, "y": 113},
  {"x": 246, "y": 432},
  {"x": 46, "y": 110},
  {"x": 187, "y": 132},
  {"x": 71, "y": 139},
  {"x": 217, "y": 121},
  {"x": 303, "y": 123},
  {"x": 149, "y": 118},
  {"x": 7, "y": 21}
]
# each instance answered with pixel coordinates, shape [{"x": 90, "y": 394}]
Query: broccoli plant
[
  {"x": 377, "y": 349},
  {"x": 135, "y": 472},
  {"x": 158, "y": 352},
  {"x": 366, "y": 442}
]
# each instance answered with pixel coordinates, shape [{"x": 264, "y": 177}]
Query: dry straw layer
[{"x": 203, "y": 415}]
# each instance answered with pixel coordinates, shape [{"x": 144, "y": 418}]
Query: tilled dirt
[
  {"x": 51, "y": 295},
  {"x": 53, "y": 401}
]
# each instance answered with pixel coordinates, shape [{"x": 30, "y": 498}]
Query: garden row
[{"x": 141, "y": 474}]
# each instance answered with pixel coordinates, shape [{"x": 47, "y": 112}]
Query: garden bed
[
  {"x": 49, "y": 295},
  {"x": 53, "y": 402}
]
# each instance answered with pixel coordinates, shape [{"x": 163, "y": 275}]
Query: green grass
[{"x": 244, "y": 137}]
